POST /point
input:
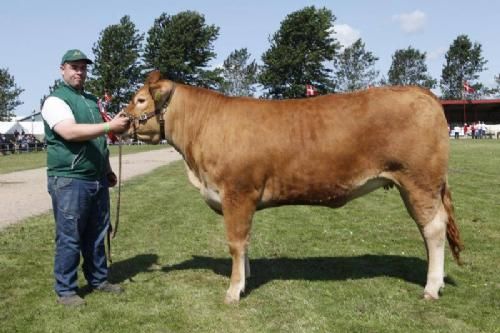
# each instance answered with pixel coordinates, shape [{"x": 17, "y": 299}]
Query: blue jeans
[{"x": 81, "y": 212}]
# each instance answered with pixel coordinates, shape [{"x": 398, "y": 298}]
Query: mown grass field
[
  {"x": 33, "y": 160},
  {"x": 360, "y": 268}
]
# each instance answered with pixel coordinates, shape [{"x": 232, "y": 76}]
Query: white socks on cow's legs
[
  {"x": 434, "y": 236},
  {"x": 237, "y": 284}
]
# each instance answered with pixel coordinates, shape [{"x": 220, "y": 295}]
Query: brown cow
[{"x": 247, "y": 154}]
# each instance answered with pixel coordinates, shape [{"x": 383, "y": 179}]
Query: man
[
  {"x": 3, "y": 144},
  {"x": 79, "y": 174}
]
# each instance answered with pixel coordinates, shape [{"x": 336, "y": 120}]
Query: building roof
[
  {"x": 37, "y": 117},
  {"x": 495, "y": 102},
  {"x": 472, "y": 110},
  {"x": 478, "y": 105}
]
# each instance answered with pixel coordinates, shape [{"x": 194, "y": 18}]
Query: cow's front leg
[{"x": 238, "y": 211}]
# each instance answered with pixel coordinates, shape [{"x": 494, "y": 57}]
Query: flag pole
[
  {"x": 463, "y": 98},
  {"x": 464, "y": 112}
]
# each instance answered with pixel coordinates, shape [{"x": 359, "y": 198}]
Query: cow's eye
[{"x": 141, "y": 100}]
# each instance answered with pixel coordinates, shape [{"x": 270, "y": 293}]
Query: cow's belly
[{"x": 324, "y": 194}]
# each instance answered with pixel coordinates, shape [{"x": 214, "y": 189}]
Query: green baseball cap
[{"x": 75, "y": 55}]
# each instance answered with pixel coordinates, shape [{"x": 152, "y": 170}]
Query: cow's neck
[{"x": 187, "y": 115}]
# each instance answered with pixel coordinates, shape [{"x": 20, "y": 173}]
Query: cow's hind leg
[
  {"x": 434, "y": 234},
  {"x": 426, "y": 208},
  {"x": 238, "y": 211}
]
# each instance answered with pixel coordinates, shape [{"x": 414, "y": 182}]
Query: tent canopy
[
  {"x": 33, "y": 127},
  {"x": 29, "y": 127},
  {"x": 9, "y": 127}
]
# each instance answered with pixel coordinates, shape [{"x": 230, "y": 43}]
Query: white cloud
[
  {"x": 411, "y": 22},
  {"x": 346, "y": 35}
]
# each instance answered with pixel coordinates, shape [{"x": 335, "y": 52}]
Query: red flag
[
  {"x": 107, "y": 97},
  {"x": 311, "y": 90},
  {"x": 105, "y": 117},
  {"x": 468, "y": 88}
]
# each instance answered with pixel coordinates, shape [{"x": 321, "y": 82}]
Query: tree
[
  {"x": 408, "y": 68},
  {"x": 298, "y": 53},
  {"x": 9, "y": 95},
  {"x": 239, "y": 76},
  {"x": 51, "y": 89},
  {"x": 464, "y": 62},
  {"x": 355, "y": 68},
  {"x": 180, "y": 47},
  {"x": 497, "y": 89},
  {"x": 117, "y": 66}
]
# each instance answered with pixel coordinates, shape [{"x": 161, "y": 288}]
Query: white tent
[
  {"x": 33, "y": 127},
  {"x": 9, "y": 127},
  {"x": 29, "y": 127}
]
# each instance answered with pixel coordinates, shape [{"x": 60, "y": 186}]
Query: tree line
[{"x": 304, "y": 51}]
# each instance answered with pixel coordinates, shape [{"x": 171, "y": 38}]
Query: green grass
[
  {"x": 360, "y": 268},
  {"x": 26, "y": 161}
]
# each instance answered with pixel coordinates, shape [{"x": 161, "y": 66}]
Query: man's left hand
[{"x": 112, "y": 179}]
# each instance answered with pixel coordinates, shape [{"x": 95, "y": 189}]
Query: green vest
[{"x": 84, "y": 160}]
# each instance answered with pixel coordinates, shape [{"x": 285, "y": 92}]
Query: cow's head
[{"x": 147, "y": 108}]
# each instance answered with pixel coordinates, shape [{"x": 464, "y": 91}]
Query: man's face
[{"x": 74, "y": 73}]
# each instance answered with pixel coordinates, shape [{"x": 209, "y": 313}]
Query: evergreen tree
[
  {"x": 180, "y": 47},
  {"x": 9, "y": 95},
  {"x": 408, "y": 68},
  {"x": 355, "y": 68},
  {"x": 463, "y": 63},
  {"x": 239, "y": 76},
  {"x": 117, "y": 67},
  {"x": 496, "y": 90},
  {"x": 51, "y": 89},
  {"x": 298, "y": 53}
]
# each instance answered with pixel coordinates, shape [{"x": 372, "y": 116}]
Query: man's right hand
[{"x": 120, "y": 123}]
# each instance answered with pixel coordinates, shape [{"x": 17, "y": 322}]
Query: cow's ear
[
  {"x": 153, "y": 77},
  {"x": 159, "y": 91},
  {"x": 156, "y": 92}
]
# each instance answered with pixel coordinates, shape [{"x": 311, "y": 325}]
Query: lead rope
[
  {"x": 112, "y": 230},
  {"x": 115, "y": 229}
]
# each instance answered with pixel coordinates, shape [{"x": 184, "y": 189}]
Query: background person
[
  {"x": 79, "y": 174},
  {"x": 3, "y": 144},
  {"x": 456, "y": 130}
]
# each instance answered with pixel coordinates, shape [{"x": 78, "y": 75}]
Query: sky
[{"x": 35, "y": 34}]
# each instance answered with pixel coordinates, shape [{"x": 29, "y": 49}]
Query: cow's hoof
[
  {"x": 430, "y": 297},
  {"x": 231, "y": 299}
]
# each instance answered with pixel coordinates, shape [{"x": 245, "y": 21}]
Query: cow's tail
[{"x": 452, "y": 233}]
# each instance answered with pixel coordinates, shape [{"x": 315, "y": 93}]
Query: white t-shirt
[{"x": 55, "y": 110}]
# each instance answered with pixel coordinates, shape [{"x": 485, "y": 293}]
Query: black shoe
[
  {"x": 71, "y": 301},
  {"x": 109, "y": 288}
]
